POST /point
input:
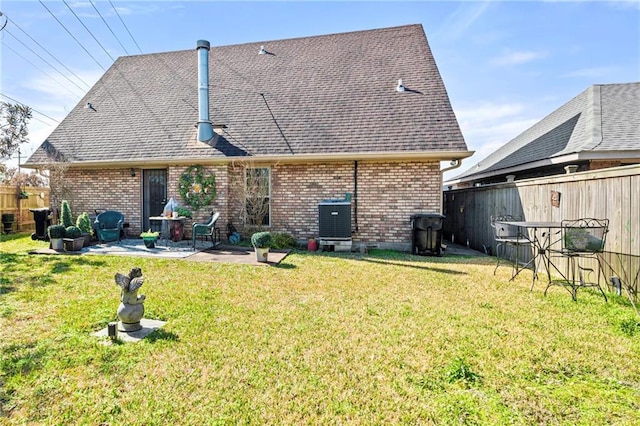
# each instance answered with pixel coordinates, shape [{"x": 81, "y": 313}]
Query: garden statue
[{"x": 131, "y": 308}]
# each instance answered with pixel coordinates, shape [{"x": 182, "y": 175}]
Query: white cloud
[
  {"x": 592, "y": 73},
  {"x": 488, "y": 126},
  {"x": 517, "y": 58},
  {"x": 458, "y": 23}
]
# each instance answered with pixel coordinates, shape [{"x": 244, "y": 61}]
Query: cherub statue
[
  {"x": 131, "y": 308},
  {"x": 130, "y": 285}
]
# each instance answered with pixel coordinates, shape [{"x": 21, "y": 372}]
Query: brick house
[
  {"x": 320, "y": 116},
  {"x": 598, "y": 129}
]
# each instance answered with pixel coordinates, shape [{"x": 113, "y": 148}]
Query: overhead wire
[
  {"x": 34, "y": 110},
  {"x": 108, "y": 26},
  {"x": 72, "y": 36},
  {"x": 44, "y": 60},
  {"x": 40, "y": 69},
  {"x": 88, "y": 30},
  {"x": 125, "y": 26},
  {"x": 50, "y": 54}
]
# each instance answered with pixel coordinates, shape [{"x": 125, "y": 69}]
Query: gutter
[{"x": 287, "y": 158}]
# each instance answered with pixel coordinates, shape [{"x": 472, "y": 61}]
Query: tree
[
  {"x": 14, "y": 177},
  {"x": 14, "y": 119}
]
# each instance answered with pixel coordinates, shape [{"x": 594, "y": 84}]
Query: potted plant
[
  {"x": 84, "y": 224},
  {"x": 66, "y": 216},
  {"x": 73, "y": 239},
  {"x": 184, "y": 212},
  {"x": 7, "y": 222},
  {"x": 261, "y": 242},
  {"x": 150, "y": 238},
  {"x": 56, "y": 235}
]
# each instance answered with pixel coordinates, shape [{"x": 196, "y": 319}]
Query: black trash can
[
  {"x": 41, "y": 218},
  {"x": 427, "y": 233}
]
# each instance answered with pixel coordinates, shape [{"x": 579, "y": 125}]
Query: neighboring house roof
[
  {"x": 313, "y": 97},
  {"x": 601, "y": 123}
]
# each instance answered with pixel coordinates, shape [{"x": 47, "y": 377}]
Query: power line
[
  {"x": 125, "y": 26},
  {"x": 105, "y": 22},
  {"x": 44, "y": 60},
  {"x": 40, "y": 69},
  {"x": 88, "y": 30},
  {"x": 34, "y": 110},
  {"x": 72, "y": 36},
  {"x": 50, "y": 54}
]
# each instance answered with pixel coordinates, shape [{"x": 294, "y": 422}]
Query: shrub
[
  {"x": 261, "y": 239},
  {"x": 56, "y": 231},
  {"x": 66, "y": 217},
  {"x": 283, "y": 240},
  {"x": 72, "y": 232},
  {"x": 84, "y": 223}
]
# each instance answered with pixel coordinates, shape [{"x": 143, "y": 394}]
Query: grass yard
[{"x": 383, "y": 338}]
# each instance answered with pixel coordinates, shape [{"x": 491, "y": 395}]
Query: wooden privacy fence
[
  {"x": 11, "y": 202},
  {"x": 613, "y": 194}
]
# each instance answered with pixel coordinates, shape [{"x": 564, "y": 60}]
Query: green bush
[
  {"x": 66, "y": 217},
  {"x": 261, "y": 239},
  {"x": 84, "y": 223},
  {"x": 72, "y": 232},
  {"x": 56, "y": 231},
  {"x": 183, "y": 211},
  {"x": 282, "y": 240}
]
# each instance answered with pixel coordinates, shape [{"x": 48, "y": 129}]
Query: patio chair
[
  {"x": 509, "y": 236},
  {"x": 207, "y": 230},
  {"x": 581, "y": 239},
  {"x": 108, "y": 226}
]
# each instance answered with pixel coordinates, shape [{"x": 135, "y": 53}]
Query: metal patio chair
[
  {"x": 581, "y": 239},
  {"x": 509, "y": 236}
]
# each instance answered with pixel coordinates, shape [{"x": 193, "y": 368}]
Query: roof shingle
[{"x": 323, "y": 94}]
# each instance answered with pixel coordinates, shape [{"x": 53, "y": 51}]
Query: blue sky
[{"x": 506, "y": 65}]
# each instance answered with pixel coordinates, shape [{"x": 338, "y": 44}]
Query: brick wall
[
  {"x": 112, "y": 189},
  {"x": 388, "y": 194}
]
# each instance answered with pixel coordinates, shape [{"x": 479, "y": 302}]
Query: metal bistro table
[
  {"x": 173, "y": 225},
  {"x": 542, "y": 236}
]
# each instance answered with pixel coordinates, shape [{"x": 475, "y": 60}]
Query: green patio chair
[
  {"x": 108, "y": 226},
  {"x": 206, "y": 230}
]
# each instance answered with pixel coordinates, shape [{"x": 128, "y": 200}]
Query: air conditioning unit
[{"x": 334, "y": 218}]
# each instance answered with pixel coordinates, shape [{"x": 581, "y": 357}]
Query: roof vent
[
  {"x": 400, "y": 86},
  {"x": 262, "y": 51}
]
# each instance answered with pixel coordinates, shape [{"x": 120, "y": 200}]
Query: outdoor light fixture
[
  {"x": 89, "y": 106},
  {"x": 133, "y": 172}
]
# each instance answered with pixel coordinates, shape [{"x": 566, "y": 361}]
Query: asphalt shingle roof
[
  {"x": 328, "y": 94},
  {"x": 603, "y": 118}
]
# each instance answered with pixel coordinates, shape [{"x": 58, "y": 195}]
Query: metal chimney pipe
[{"x": 205, "y": 129}]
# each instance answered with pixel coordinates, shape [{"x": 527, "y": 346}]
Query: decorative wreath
[{"x": 196, "y": 189}]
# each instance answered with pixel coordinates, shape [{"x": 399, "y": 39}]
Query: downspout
[
  {"x": 205, "y": 129},
  {"x": 355, "y": 195},
  {"x": 454, "y": 165}
]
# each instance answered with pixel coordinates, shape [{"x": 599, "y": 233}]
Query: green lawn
[{"x": 383, "y": 338}]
